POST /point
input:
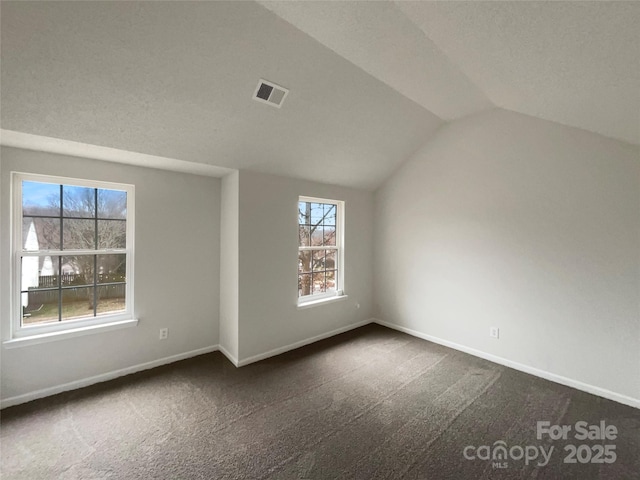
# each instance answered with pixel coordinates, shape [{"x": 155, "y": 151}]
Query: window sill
[
  {"x": 64, "y": 334},
  {"x": 321, "y": 301}
]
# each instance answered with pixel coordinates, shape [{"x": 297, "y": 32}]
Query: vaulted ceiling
[
  {"x": 369, "y": 82},
  {"x": 575, "y": 63}
]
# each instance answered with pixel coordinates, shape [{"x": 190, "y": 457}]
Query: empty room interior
[{"x": 320, "y": 240}]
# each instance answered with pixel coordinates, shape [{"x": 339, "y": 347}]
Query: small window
[
  {"x": 73, "y": 253},
  {"x": 320, "y": 248}
]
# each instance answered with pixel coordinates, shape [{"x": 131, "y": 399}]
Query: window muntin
[
  {"x": 320, "y": 252},
  {"x": 73, "y": 253}
]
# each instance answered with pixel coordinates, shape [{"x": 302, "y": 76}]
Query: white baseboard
[
  {"x": 227, "y": 354},
  {"x": 85, "y": 382},
  {"x": 301, "y": 343},
  {"x": 569, "y": 382},
  {"x": 45, "y": 392}
]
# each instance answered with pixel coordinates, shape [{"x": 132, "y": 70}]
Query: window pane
[
  {"x": 39, "y": 272},
  {"x": 330, "y": 260},
  {"x": 304, "y": 284},
  {"x": 317, "y": 213},
  {"x": 112, "y": 268},
  {"x": 40, "y": 233},
  {"x": 77, "y": 270},
  {"x": 316, "y": 236},
  {"x": 48, "y": 268},
  {"x": 111, "y": 298},
  {"x": 40, "y": 198},
  {"x": 330, "y": 236},
  {"x": 112, "y": 204},
  {"x": 318, "y": 260},
  {"x": 329, "y": 214},
  {"x": 331, "y": 280},
  {"x": 304, "y": 261},
  {"x": 303, "y": 235},
  {"x": 41, "y": 309},
  {"x": 112, "y": 234},
  {"x": 78, "y": 201},
  {"x": 304, "y": 215},
  {"x": 77, "y": 303},
  {"x": 38, "y": 305},
  {"x": 318, "y": 283},
  {"x": 78, "y": 234}
]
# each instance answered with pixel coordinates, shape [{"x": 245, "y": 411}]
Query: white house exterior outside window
[
  {"x": 320, "y": 249},
  {"x": 72, "y": 254}
]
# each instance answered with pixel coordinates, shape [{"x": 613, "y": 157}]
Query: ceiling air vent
[{"x": 270, "y": 93}]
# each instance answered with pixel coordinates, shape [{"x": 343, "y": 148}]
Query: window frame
[
  {"x": 20, "y": 331},
  {"x": 339, "y": 247}
]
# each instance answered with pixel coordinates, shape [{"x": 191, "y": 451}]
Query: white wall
[
  {"x": 176, "y": 274},
  {"x": 229, "y": 256},
  {"x": 269, "y": 317},
  {"x": 509, "y": 221}
]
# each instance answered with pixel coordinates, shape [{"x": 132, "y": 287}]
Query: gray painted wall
[
  {"x": 229, "y": 256},
  {"x": 504, "y": 220},
  {"x": 176, "y": 274},
  {"x": 268, "y": 290}
]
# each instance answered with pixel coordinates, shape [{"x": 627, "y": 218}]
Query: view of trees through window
[
  {"x": 317, "y": 248},
  {"x": 74, "y": 260}
]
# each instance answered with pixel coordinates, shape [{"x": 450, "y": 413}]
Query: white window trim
[
  {"x": 323, "y": 298},
  {"x": 316, "y": 302},
  {"x": 64, "y": 334},
  {"x": 59, "y": 330}
]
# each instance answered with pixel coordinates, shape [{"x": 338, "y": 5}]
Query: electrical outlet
[
  {"x": 164, "y": 333},
  {"x": 494, "y": 332}
]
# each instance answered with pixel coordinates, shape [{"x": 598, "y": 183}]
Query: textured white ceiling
[
  {"x": 175, "y": 79},
  {"x": 380, "y": 39},
  {"x": 575, "y": 63},
  {"x": 370, "y": 81}
]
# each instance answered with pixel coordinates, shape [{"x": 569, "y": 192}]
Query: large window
[
  {"x": 320, "y": 249},
  {"x": 73, "y": 253}
]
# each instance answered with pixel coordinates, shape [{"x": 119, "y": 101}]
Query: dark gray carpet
[{"x": 369, "y": 404}]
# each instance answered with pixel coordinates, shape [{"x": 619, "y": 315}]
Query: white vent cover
[{"x": 270, "y": 93}]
